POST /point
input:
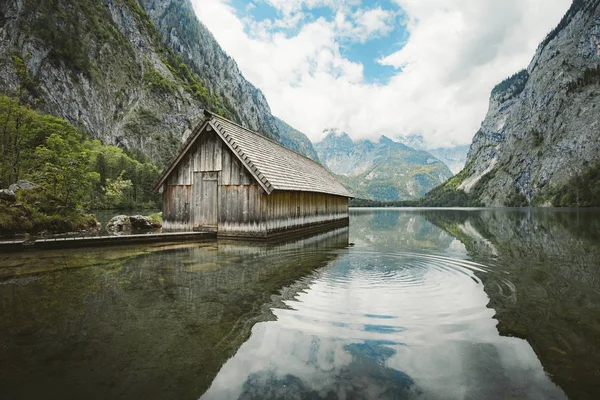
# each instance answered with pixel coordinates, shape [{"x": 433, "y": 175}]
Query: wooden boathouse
[{"x": 230, "y": 180}]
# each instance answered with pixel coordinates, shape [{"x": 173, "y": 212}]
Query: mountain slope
[
  {"x": 193, "y": 42},
  {"x": 384, "y": 171},
  {"x": 540, "y": 141},
  {"x": 104, "y": 66},
  {"x": 295, "y": 140}
]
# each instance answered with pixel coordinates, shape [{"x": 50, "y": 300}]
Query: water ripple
[{"x": 368, "y": 294}]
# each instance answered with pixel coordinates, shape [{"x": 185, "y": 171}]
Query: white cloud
[
  {"x": 364, "y": 24},
  {"x": 457, "y": 51}
]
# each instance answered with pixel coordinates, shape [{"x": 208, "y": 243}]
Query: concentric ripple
[
  {"x": 400, "y": 314},
  {"x": 400, "y": 297}
]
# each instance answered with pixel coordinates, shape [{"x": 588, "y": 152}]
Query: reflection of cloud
[
  {"x": 366, "y": 377},
  {"x": 375, "y": 325}
]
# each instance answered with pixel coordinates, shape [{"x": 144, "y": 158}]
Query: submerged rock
[
  {"x": 119, "y": 223},
  {"x": 142, "y": 222},
  {"x": 126, "y": 224},
  {"x": 8, "y": 195}
]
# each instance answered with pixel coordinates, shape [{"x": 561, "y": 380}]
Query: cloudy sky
[{"x": 387, "y": 67}]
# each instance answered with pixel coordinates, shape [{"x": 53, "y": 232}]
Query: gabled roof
[{"x": 274, "y": 167}]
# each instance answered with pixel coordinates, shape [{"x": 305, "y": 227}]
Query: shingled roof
[{"x": 274, "y": 166}]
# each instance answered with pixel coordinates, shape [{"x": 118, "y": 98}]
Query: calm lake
[{"x": 403, "y": 304}]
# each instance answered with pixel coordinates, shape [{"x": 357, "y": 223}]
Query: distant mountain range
[
  {"x": 384, "y": 171},
  {"x": 454, "y": 157}
]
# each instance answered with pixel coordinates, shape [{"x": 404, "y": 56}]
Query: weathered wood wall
[
  {"x": 239, "y": 199},
  {"x": 242, "y": 202},
  {"x": 242, "y": 207},
  {"x": 177, "y": 207},
  {"x": 205, "y": 156},
  {"x": 288, "y": 210}
]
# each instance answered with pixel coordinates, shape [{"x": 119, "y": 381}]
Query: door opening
[{"x": 206, "y": 199}]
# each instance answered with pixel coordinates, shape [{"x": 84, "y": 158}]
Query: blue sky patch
[{"x": 367, "y": 52}]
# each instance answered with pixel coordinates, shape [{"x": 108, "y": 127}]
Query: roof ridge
[{"x": 217, "y": 116}]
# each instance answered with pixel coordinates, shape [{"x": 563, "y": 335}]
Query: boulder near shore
[{"x": 123, "y": 224}]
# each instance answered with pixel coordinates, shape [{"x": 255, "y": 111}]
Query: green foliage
[
  {"x": 516, "y": 83},
  {"x": 26, "y": 135},
  {"x": 76, "y": 173},
  {"x": 36, "y": 211},
  {"x": 479, "y": 188},
  {"x": 158, "y": 83},
  {"x": 582, "y": 190},
  {"x": 83, "y": 37},
  {"x": 143, "y": 19},
  {"x": 446, "y": 196},
  {"x": 124, "y": 182},
  {"x": 157, "y": 218},
  {"x": 116, "y": 191},
  {"x": 194, "y": 86},
  {"x": 16, "y": 138},
  {"x": 449, "y": 195},
  {"x": 591, "y": 76},
  {"x": 575, "y": 8},
  {"x": 378, "y": 203},
  {"x": 28, "y": 85},
  {"x": 62, "y": 167},
  {"x": 397, "y": 173},
  {"x": 516, "y": 199}
]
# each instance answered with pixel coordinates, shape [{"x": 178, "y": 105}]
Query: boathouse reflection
[{"x": 156, "y": 322}]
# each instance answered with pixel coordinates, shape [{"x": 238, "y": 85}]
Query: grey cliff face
[
  {"x": 104, "y": 90},
  {"x": 132, "y": 73},
  {"x": 542, "y": 127},
  {"x": 193, "y": 42}
]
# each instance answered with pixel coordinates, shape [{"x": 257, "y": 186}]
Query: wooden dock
[{"x": 77, "y": 242}]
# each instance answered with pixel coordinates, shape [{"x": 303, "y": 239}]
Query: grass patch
[{"x": 157, "y": 218}]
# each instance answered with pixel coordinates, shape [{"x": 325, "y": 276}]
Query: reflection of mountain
[
  {"x": 393, "y": 317},
  {"x": 397, "y": 231},
  {"x": 144, "y": 322},
  {"x": 550, "y": 295}
]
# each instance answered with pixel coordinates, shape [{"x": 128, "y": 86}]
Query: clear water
[{"x": 427, "y": 304}]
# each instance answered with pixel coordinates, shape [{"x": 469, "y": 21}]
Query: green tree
[
  {"x": 118, "y": 192},
  {"x": 15, "y": 133},
  {"x": 63, "y": 168}
]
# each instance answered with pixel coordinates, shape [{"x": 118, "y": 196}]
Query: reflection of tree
[
  {"x": 366, "y": 377},
  {"x": 552, "y": 259},
  {"x": 148, "y": 324}
]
